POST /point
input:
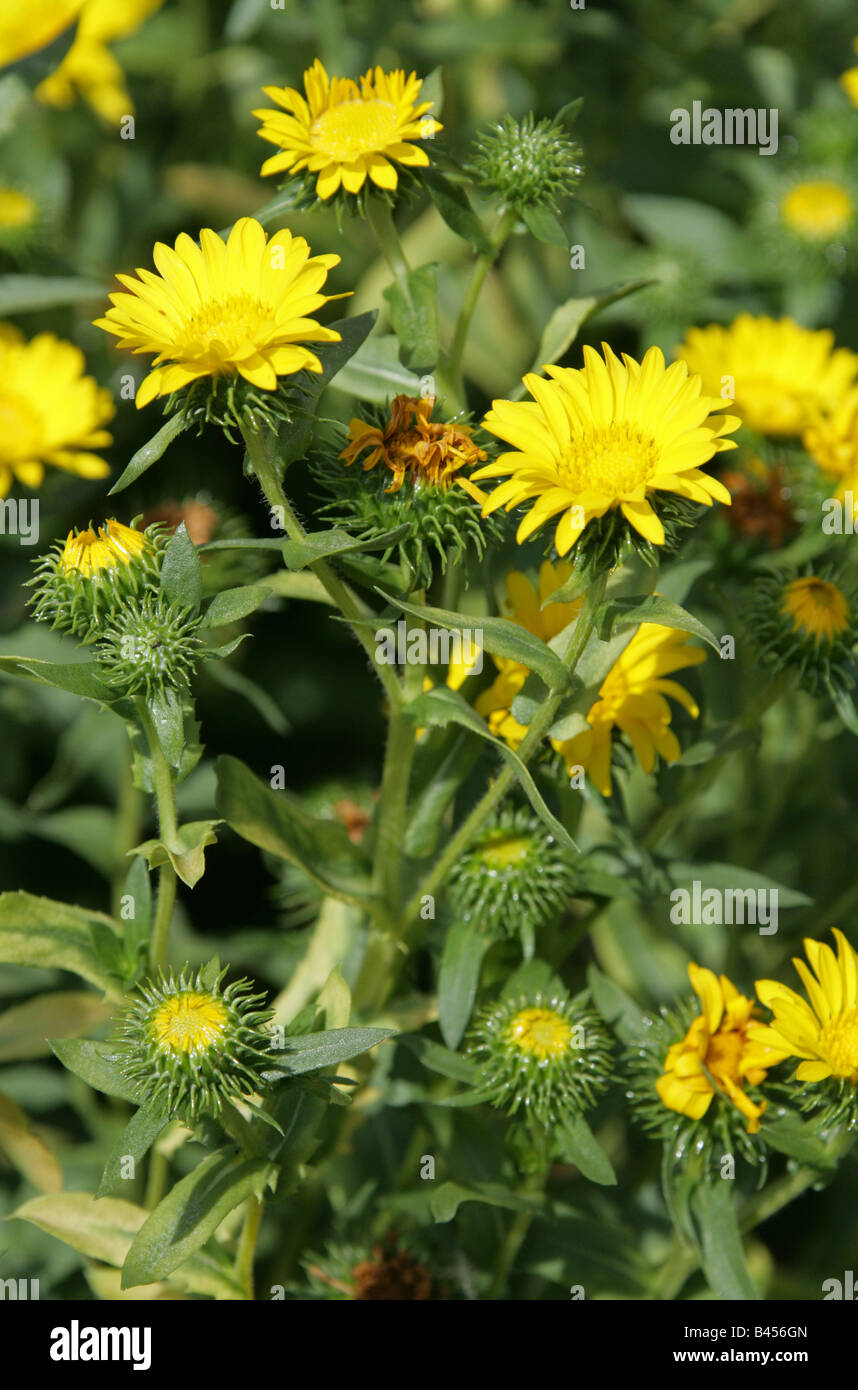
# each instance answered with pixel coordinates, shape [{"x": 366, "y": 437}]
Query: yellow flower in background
[
  {"x": 780, "y": 375},
  {"x": 632, "y": 700},
  {"x": 17, "y": 209},
  {"x": 344, "y": 132},
  {"x": 716, "y": 1054},
  {"x": 89, "y": 69},
  {"x": 239, "y": 307},
  {"x": 823, "y": 1033},
  {"x": 27, "y": 27},
  {"x": 832, "y": 442},
  {"x": 816, "y": 608},
  {"x": 849, "y": 79},
  {"x": 818, "y": 209},
  {"x": 412, "y": 443},
  {"x": 51, "y": 413},
  {"x": 112, "y": 545},
  {"x": 612, "y": 434}
]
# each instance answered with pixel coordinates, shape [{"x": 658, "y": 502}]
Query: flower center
[
  {"x": 540, "y": 1033},
  {"x": 838, "y": 1043},
  {"x": 354, "y": 128},
  {"x": 20, "y": 428},
  {"x": 502, "y": 851},
  {"x": 16, "y": 209},
  {"x": 612, "y": 461},
  {"x": 817, "y": 608},
  {"x": 189, "y": 1021},
  {"x": 817, "y": 210},
  {"x": 222, "y": 330},
  {"x": 724, "y": 1054}
]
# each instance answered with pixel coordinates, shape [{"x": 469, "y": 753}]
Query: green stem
[
  {"x": 450, "y": 367},
  {"x": 129, "y": 820},
  {"x": 163, "y": 783},
  {"x": 380, "y": 218},
  {"x": 156, "y": 1179},
  {"x": 247, "y": 1245},
  {"x": 471, "y": 826},
  {"x": 265, "y": 468}
]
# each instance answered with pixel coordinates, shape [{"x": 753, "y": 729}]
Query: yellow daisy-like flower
[
  {"x": 89, "y": 69},
  {"x": 832, "y": 442},
  {"x": 779, "y": 374},
  {"x": 110, "y": 547},
  {"x": 716, "y": 1054},
  {"x": 816, "y": 608},
  {"x": 190, "y": 1022},
  {"x": 51, "y": 413},
  {"x": 849, "y": 79},
  {"x": 610, "y": 435},
  {"x": 344, "y": 132},
  {"x": 818, "y": 210},
  {"x": 224, "y": 308},
  {"x": 823, "y": 1034},
  {"x": 431, "y": 451},
  {"x": 26, "y": 28}
]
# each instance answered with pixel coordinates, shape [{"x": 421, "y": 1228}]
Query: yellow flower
[
  {"x": 540, "y": 1033},
  {"x": 631, "y": 699},
  {"x": 610, "y": 435},
  {"x": 818, "y": 209},
  {"x": 189, "y": 1022},
  {"x": 780, "y": 374},
  {"x": 716, "y": 1054},
  {"x": 411, "y": 442},
  {"x": 343, "y": 132},
  {"x": 17, "y": 209},
  {"x": 50, "y": 412},
  {"x": 87, "y": 552},
  {"x": 832, "y": 442},
  {"x": 849, "y": 79},
  {"x": 816, "y": 608},
  {"x": 26, "y": 27},
  {"x": 823, "y": 1033},
  {"x": 218, "y": 309},
  {"x": 89, "y": 69}
]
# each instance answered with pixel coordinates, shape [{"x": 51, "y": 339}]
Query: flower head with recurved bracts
[
  {"x": 82, "y": 582},
  {"x": 822, "y": 1034},
  {"x": 613, "y": 435},
  {"x": 189, "y": 1047},
  {"x": 779, "y": 374},
  {"x": 344, "y": 133},
  {"x": 411, "y": 442},
  {"x": 716, "y": 1054},
  {"x": 51, "y": 413},
  {"x": 240, "y": 308},
  {"x": 807, "y": 623}
]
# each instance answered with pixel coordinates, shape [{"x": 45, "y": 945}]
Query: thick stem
[
  {"x": 265, "y": 468},
  {"x": 247, "y": 1245},
  {"x": 163, "y": 783},
  {"x": 450, "y": 367},
  {"x": 380, "y": 218}
]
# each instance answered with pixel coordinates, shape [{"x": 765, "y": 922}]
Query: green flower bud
[
  {"x": 527, "y": 163},
  {"x": 88, "y": 578},
  {"x": 149, "y": 646},
  {"x": 514, "y": 878}
]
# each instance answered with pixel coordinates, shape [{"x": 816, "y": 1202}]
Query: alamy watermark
[
  {"x": 434, "y": 646},
  {"x": 20, "y": 518},
  {"x": 732, "y": 126},
  {"x": 711, "y": 907}
]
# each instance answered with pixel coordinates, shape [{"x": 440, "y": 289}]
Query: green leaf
[
  {"x": 458, "y": 978},
  {"x": 442, "y": 1060},
  {"x": 150, "y": 452},
  {"x": 375, "y": 373},
  {"x": 414, "y": 316},
  {"x": 167, "y": 712},
  {"x": 22, "y": 294},
  {"x": 445, "y": 1202},
  {"x": 579, "y": 1145},
  {"x": 844, "y": 703},
  {"x": 542, "y": 223},
  {"x": 625, "y": 612},
  {"x": 790, "y": 1135},
  {"x": 231, "y": 605},
  {"x": 186, "y": 853},
  {"x": 190, "y": 1214},
  {"x": 430, "y": 804},
  {"x": 38, "y": 931},
  {"x": 104, "y": 1230},
  {"x": 181, "y": 571},
  {"x": 25, "y": 1029},
  {"x": 444, "y": 706},
  {"x": 76, "y": 677},
  {"x": 94, "y": 1064},
  {"x": 681, "y": 222},
  {"x": 277, "y": 822},
  {"x": 319, "y": 545},
  {"x": 314, "y": 1051},
  {"x": 500, "y": 636},
  {"x": 135, "y": 1141},
  {"x": 453, "y": 205},
  {"x": 565, "y": 323},
  {"x": 568, "y": 114},
  {"x": 733, "y": 877},
  {"x": 722, "y": 1256},
  {"x": 616, "y": 1007},
  {"x": 26, "y": 1150}
]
